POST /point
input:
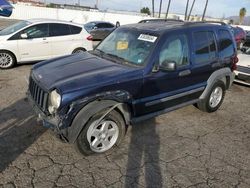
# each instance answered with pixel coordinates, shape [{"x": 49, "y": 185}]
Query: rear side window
[
  {"x": 226, "y": 44},
  {"x": 108, "y": 25},
  {"x": 205, "y": 46},
  {"x": 56, "y": 30},
  {"x": 75, "y": 30}
]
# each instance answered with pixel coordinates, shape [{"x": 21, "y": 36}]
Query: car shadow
[
  {"x": 143, "y": 156},
  {"x": 18, "y": 130}
]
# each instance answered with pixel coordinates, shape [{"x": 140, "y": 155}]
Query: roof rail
[
  {"x": 159, "y": 20},
  {"x": 212, "y": 22}
]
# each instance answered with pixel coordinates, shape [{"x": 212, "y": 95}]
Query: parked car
[
  {"x": 99, "y": 29},
  {"x": 240, "y": 36},
  {"x": 138, "y": 72},
  {"x": 40, "y": 39},
  {"x": 243, "y": 68},
  {"x": 247, "y": 41}
]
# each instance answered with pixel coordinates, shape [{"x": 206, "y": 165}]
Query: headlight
[{"x": 54, "y": 101}]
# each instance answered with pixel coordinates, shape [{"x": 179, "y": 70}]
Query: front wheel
[
  {"x": 214, "y": 99},
  {"x": 7, "y": 60},
  {"x": 99, "y": 137}
]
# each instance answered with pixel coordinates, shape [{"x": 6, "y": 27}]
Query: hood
[
  {"x": 78, "y": 71},
  {"x": 244, "y": 60}
]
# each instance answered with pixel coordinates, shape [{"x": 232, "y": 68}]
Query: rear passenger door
[{"x": 61, "y": 39}]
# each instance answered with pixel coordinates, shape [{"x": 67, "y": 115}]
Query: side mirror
[
  {"x": 95, "y": 28},
  {"x": 117, "y": 24},
  {"x": 168, "y": 66},
  {"x": 24, "y": 36}
]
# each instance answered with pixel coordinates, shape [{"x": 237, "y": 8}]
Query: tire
[
  {"x": 214, "y": 98},
  {"x": 78, "y": 51},
  {"x": 7, "y": 60},
  {"x": 99, "y": 135}
]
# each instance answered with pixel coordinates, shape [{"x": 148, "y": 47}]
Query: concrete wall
[{"x": 27, "y": 12}]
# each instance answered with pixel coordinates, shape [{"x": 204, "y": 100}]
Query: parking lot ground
[{"x": 184, "y": 148}]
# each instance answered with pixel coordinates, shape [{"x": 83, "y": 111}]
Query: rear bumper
[{"x": 243, "y": 77}]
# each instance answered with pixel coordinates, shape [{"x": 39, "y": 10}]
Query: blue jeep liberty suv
[{"x": 138, "y": 72}]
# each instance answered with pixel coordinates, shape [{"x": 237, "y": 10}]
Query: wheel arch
[
  {"x": 14, "y": 55},
  {"x": 224, "y": 74},
  {"x": 85, "y": 114},
  {"x": 79, "y": 48}
]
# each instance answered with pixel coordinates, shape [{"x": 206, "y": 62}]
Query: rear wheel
[
  {"x": 78, "y": 51},
  {"x": 7, "y": 60},
  {"x": 99, "y": 137},
  {"x": 214, "y": 99}
]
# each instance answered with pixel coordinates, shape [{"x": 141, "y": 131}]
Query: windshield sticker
[
  {"x": 148, "y": 38},
  {"x": 122, "y": 45}
]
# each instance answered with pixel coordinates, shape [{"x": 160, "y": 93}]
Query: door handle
[
  {"x": 45, "y": 41},
  {"x": 184, "y": 73}
]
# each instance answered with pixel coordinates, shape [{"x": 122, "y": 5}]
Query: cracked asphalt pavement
[{"x": 184, "y": 148}]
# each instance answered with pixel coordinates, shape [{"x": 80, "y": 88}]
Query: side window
[
  {"x": 108, "y": 25},
  {"x": 101, "y": 25},
  {"x": 226, "y": 44},
  {"x": 75, "y": 30},
  {"x": 175, "y": 49},
  {"x": 36, "y": 31},
  {"x": 205, "y": 46},
  {"x": 56, "y": 30}
]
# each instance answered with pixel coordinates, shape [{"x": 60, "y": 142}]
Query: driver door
[{"x": 35, "y": 45}]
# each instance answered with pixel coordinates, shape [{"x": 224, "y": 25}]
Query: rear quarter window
[{"x": 226, "y": 44}]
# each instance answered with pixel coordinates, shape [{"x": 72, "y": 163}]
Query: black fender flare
[{"x": 83, "y": 116}]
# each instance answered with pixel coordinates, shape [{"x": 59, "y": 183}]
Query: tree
[
  {"x": 153, "y": 8},
  {"x": 243, "y": 13},
  {"x": 169, "y": 2},
  {"x": 160, "y": 9},
  {"x": 205, "y": 10},
  {"x": 186, "y": 12},
  {"x": 145, "y": 10},
  {"x": 191, "y": 9}
]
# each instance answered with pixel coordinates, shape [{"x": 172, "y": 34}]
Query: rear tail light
[
  {"x": 235, "y": 61},
  {"x": 90, "y": 38}
]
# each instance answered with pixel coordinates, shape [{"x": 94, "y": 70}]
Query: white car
[
  {"x": 41, "y": 39},
  {"x": 242, "y": 74}
]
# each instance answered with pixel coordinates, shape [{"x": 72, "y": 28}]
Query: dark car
[
  {"x": 247, "y": 41},
  {"x": 239, "y": 35},
  {"x": 159, "y": 20},
  {"x": 99, "y": 29},
  {"x": 138, "y": 72}
]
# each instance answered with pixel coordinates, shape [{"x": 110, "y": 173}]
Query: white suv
[{"x": 41, "y": 39}]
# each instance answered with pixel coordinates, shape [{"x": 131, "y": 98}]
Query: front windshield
[
  {"x": 129, "y": 46},
  {"x": 13, "y": 28}
]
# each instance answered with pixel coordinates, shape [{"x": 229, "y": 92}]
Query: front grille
[
  {"x": 243, "y": 69},
  {"x": 39, "y": 95}
]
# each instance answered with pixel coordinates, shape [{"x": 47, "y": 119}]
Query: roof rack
[
  {"x": 212, "y": 22},
  {"x": 159, "y": 20}
]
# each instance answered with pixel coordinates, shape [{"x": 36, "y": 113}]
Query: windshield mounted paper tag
[{"x": 148, "y": 38}]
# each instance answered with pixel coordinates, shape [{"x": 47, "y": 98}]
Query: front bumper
[{"x": 48, "y": 121}]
